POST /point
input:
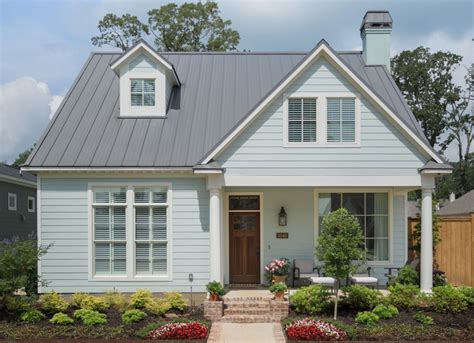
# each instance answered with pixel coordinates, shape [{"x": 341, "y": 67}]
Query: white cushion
[
  {"x": 364, "y": 279},
  {"x": 323, "y": 280},
  {"x": 307, "y": 276}
]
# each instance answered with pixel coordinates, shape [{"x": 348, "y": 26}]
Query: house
[
  {"x": 461, "y": 207},
  {"x": 17, "y": 203},
  {"x": 166, "y": 170}
]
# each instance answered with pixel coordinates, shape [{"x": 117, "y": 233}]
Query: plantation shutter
[
  {"x": 302, "y": 120},
  {"x": 340, "y": 120}
]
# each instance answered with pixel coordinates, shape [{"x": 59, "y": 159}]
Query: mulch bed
[
  {"x": 11, "y": 328},
  {"x": 446, "y": 327}
]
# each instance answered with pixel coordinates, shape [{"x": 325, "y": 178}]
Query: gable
[
  {"x": 259, "y": 149},
  {"x": 141, "y": 63}
]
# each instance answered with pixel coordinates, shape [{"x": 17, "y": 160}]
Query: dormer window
[{"x": 142, "y": 92}]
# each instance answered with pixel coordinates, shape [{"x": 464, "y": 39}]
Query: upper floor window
[
  {"x": 142, "y": 92},
  {"x": 12, "y": 201},
  {"x": 301, "y": 120},
  {"x": 341, "y": 120}
]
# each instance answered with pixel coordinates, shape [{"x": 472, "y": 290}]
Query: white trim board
[{"x": 322, "y": 49}]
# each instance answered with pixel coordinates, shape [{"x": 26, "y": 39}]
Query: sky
[{"x": 44, "y": 43}]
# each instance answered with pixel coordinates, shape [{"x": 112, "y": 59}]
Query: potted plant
[
  {"x": 277, "y": 270},
  {"x": 279, "y": 289},
  {"x": 215, "y": 290}
]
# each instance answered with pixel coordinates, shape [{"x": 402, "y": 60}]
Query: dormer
[{"x": 146, "y": 82}]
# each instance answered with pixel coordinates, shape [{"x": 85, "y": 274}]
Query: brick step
[
  {"x": 246, "y": 311},
  {"x": 247, "y": 304},
  {"x": 249, "y": 318}
]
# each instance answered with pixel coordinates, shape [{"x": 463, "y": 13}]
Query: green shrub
[
  {"x": 61, "y": 319},
  {"x": 84, "y": 300},
  {"x": 16, "y": 304},
  {"x": 132, "y": 316},
  {"x": 468, "y": 293},
  {"x": 424, "y": 319},
  {"x": 141, "y": 298},
  {"x": 310, "y": 300},
  {"x": 176, "y": 301},
  {"x": 52, "y": 302},
  {"x": 33, "y": 316},
  {"x": 90, "y": 317},
  {"x": 215, "y": 287},
  {"x": 361, "y": 297},
  {"x": 439, "y": 280},
  {"x": 448, "y": 299},
  {"x": 158, "y": 307},
  {"x": 407, "y": 275},
  {"x": 385, "y": 311},
  {"x": 403, "y": 296},
  {"x": 116, "y": 300},
  {"x": 279, "y": 287},
  {"x": 367, "y": 318}
]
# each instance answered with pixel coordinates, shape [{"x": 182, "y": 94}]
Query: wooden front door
[{"x": 244, "y": 247}]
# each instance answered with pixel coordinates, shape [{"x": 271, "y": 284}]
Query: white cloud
[{"x": 26, "y": 105}]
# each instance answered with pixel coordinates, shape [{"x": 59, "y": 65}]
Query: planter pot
[
  {"x": 280, "y": 295},
  {"x": 214, "y": 297},
  {"x": 278, "y": 279}
]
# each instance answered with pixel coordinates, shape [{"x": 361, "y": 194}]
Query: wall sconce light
[{"x": 282, "y": 217}]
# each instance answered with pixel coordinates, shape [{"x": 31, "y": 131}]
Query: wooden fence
[{"x": 455, "y": 252}]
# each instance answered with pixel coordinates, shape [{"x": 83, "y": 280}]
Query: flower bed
[
  {"x": 179, "y": 331},
  {"x": 313, "y": 330}
]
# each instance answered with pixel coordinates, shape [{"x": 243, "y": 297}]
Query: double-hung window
[
  {"x": 341, "y": 122},
  {"x": 302, "y": 120},
  {"x": 11, "y": 201},
  {"x": 142, "y": 92},
  {"x": 371, "y": 209},
  {"x": 151, "y": 239},
  {"x": 109, "y": 231}
]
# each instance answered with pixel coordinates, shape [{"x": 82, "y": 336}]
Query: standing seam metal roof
[{"x": 217, "y": 91}]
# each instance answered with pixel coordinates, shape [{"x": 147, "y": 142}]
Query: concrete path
[{"x": 245, "y": 332}]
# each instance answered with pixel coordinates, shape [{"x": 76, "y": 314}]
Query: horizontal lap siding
[
  {"x": 259, "y": 149},
  {"x": 65, "y": 224}
]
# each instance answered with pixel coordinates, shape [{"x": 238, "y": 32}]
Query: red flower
[
  {"x": 185, "y": 331},
  {"x": 312, "y": 330}
]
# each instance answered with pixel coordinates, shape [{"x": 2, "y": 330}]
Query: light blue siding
[
  {"x": 259, "y": 150},
  {"x": 64, "y": 223}
]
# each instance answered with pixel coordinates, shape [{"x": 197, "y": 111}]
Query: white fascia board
[
  {"x": 209, "y": 171},
  {"x": 16, "y": 181},
  {"x": 321, "y": 181},
  {"x": 436, "y": 171},
  {"x": 322, "y": 49}
]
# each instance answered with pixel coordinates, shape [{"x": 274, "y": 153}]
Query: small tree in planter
[
  {"x": 279, "y": 290},
  {"x": 340, "y": 243},
  {"x": 215, "y": 289}
]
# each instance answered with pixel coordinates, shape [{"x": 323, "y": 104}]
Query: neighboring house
[
  {"x": 414, "y": 210},
  {"x": 161, "y": 165},
  {"x": 17, "y": 203},
  {"x": 461, "y": 207}
]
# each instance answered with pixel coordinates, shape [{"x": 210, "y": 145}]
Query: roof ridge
[{"x": 345, "y": 52}]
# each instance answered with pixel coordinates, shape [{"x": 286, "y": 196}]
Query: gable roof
[
  {"x": 14, "y": 175},
  {"x": 460, "y": 206},
  {"x": 218, "y": 92}
]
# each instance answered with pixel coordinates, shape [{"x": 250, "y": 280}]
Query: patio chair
[
  {"x": 362, "y": 277},
  {"x": 305, "y": 269}
]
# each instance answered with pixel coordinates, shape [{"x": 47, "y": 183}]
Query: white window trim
[
  {"x": 33, "y": 199},
  {"x": 14, "y": 207},
  {"x": 142, "y": 107},
  {"x": 388, "y": 262},
  {"x": 130, "y": 233},
  {"x": 321, "y": 119}
]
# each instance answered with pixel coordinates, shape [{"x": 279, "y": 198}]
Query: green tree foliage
[
  {"x": 119, "y": 32},
  {"x": 426, "y": 81},
  {"x": 459, "y": 182},
  {"x": 21, "y": 159},
  {"x": 186, "y": 27},
  {"x": 340, "y": 242}
]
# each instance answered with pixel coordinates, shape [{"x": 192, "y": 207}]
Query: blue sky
[{"x": 44, "y": 43}]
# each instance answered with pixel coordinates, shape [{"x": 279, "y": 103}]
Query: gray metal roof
[
  {"x": 431, "y": 165},
  {"x": 16, "y": 173},
  {"x": 460, "y": 206},
  {"x": 376, "y": 19},
  {"x": 218, "y": 90}
]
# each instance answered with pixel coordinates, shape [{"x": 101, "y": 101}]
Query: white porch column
[
  {"x": 215, "y": 200},
  {"x": 426, "y": 254}
]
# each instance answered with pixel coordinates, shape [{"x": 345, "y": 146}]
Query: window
[
  {"x": 371, "y": 209},
  {"x": 109, "y": 225},
  {"x": 142, "y": 92},
  {"x": 12, "y": 201},
  {"x": 151, "y": 239},
  {"x": 31, "y": 204},
  {"x": 301, "y": 120},
  {"x": 340, "y": 120}
]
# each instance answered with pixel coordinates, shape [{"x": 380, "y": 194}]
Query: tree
[
  {"x": 22, "y": 157},
  {"x": 460, "y": 181},
  {"x": 192, "y": 27},
  {"x": 425, "y": 79},
  {"x": 340, "y": 243},
  {"x": 119, "y": 32}
]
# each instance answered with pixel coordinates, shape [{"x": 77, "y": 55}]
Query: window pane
[
  {"x": 335, "y": 201},
  {"x": 119, "y": 196},
  {"x": 110, "y": 195},
  {"x": 381, "y": 203},
  {"x": 102, "y": 258},
  {"x": 348, "y": 132},
  {"x": 101, "y": 196},
  {"x": 381, "y": 226},
  {"x": 324, "y": 203},
  {"x": 142, "y": 223},
  {"x": 377, "y": 249},
  {"x": 136, "y": 86},
  {"x": 149, "y": 99},
  {"x": 143, "y": 258},
  {"x": 119, "y": 262},
  {"x": 118, "y": 223},
  {"x": 348, "y": 109},
  {"x": 334, "y": 132},
  {"x": 159, "y": 223},
  {"x": 159, "y": 258},
  {"x": 309, "y": 109},
  {"x": 149, "y": 85},
  {"x": 142, "y": 195},
  {"x": 136, "y": 99},
  {"x": 244, "y": 202},
  {"x": 102, "y": 223},
  {"x": 309, "y": 131},
  {"x": 294, "y": 131},
  {"x": 159, "y": 197},
  {"x": 294, "y": 109},
  {"x": 354, "y": 203}
]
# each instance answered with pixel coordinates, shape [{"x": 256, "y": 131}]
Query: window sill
[
  {"x": 321, "y": 145},
  {"x": 131, "y": 279}
]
